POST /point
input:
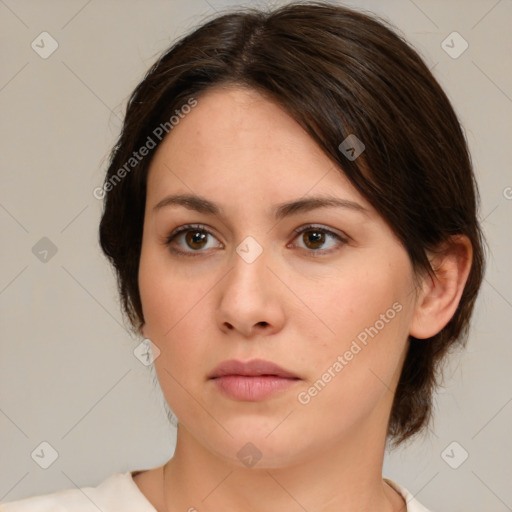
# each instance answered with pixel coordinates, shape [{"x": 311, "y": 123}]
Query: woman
[{"x": 291, "y": 213}]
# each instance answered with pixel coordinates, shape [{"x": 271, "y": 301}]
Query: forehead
[{"x": 236, "y": 140}]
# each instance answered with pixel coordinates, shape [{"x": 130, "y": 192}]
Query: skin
[{"x": 293, "y": 306}]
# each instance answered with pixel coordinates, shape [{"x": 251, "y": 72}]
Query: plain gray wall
[{"x": 68, "y": 375}]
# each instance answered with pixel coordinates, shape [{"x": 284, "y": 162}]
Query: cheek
[
  {"x": 364, "y": 316},
  {"x": 350, "y": 303},
  {"x": 353, "y": 373},
  {"x": 167, "y": 295},
  {"x": 175, "y": 320},
  {"x": 171, "y": 313}
]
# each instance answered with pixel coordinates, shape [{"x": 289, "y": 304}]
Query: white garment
[{"x": 120, "y": 493}]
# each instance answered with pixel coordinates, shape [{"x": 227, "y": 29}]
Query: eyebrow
[{"x": 280, "y": 211}]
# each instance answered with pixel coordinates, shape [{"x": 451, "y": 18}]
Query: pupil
[
  {"x": 196, "y": 237},
  {"x": 315, "y": 237}
]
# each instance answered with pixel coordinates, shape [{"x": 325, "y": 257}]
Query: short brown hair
[{"x": 337, "y": 72}]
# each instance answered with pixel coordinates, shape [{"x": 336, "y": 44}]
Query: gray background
[{"x": 68, "y": 375}]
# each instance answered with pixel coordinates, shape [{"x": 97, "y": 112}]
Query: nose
[{"x": 251, "y": 299}]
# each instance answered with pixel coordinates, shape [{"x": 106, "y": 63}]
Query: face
[{"x": 325, "y": 292}]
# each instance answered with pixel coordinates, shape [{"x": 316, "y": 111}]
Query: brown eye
[
  {"x": 189, "y": 240},
  {"x": 313, "y": 239},
  {"x": 196, "y": 239},
  {"x": 316, "y": 238}
]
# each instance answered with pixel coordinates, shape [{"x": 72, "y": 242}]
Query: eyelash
[{"x": 198, "y": 227}]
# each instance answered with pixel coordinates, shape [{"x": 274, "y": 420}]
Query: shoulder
[
  {"x": 118, "y": 492},
  {"x": 413, "y": 505}
]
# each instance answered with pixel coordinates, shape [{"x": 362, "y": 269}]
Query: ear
[
  {"x": 142, "y": 330},
  {"x": 439, "y": 297}
]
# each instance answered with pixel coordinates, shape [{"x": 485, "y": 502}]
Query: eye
[
  {"x": 191, "y": 239},
  {"x": 194, "y": 236},
  {"x": 315, "y": 237}
]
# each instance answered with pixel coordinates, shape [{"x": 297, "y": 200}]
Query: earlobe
[{"x": 440, "y": 296}]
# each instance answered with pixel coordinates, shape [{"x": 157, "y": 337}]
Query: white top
[{"x": 120, "y": 493}]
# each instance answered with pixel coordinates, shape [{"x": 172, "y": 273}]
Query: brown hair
[{"x": 337, "y": 72}]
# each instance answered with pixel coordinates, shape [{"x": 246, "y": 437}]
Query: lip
[
  {"x": 252, "y": 380},
  {"x": 253, "y": 368}
]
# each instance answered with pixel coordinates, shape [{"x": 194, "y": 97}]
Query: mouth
[
  {"x": 253, "y": 368},
  {"x": 252, "y": 380}
]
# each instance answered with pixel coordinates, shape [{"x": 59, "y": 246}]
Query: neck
[{"x": 345, "y": 477}]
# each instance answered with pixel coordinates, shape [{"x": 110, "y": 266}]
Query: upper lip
[{"x": 253, "y": 368}]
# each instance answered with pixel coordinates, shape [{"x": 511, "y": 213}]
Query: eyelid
[
  {"x": 183, "y": 229},
  {"x": 323, "y": 229},
  {"x": 342, "y": 237},
  {"x": 186, "y": 227}
]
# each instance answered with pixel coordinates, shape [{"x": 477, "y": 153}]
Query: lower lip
[{"x": 241, "y": 387}]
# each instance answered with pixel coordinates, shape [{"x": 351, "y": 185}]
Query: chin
[{"x": 256, "y": 446}]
